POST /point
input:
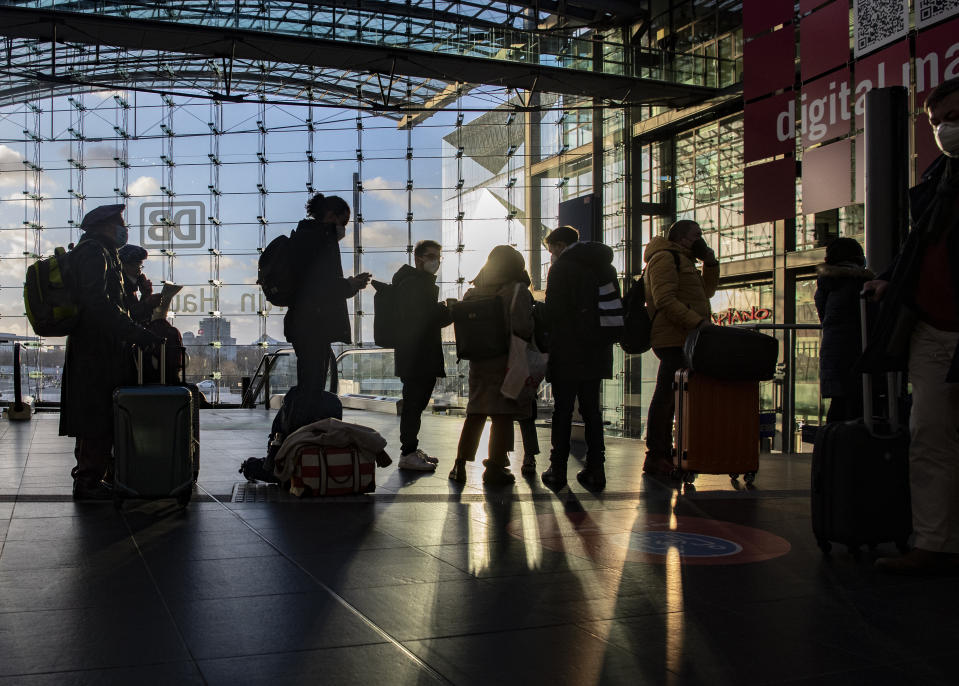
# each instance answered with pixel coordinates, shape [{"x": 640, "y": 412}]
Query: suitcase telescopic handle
[
  {"x": 892, "y": 379},
  {"x": 162, "y": 363}
]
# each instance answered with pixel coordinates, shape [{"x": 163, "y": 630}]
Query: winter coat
[
  {"x": 419, "y": 347},
  {"x": 678, "y": 298},
  {"x": 837, "y": 302},
  {"x": 932, "y": 209},
  {"x": 575, "y": 354},
  {"x": 318, "y": 312},
  {"x": 486, "y": 376},
  {"x": 97, "y": 359}
]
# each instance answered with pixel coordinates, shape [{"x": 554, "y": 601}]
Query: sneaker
[
  {"x": 592, "y": 478},
  {"x": 416, "y": 461},
  {"x": 92, "y": 490},
  {"x": 529, "y": 466},
  {"x": 458, "y": 473}
]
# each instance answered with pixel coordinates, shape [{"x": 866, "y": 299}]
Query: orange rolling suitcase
[{"x": 717, "y": 426}]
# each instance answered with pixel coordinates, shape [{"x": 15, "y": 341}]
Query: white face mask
[
  {"x": 431, "y": 266},
  {"x": 947, "y": 138}
]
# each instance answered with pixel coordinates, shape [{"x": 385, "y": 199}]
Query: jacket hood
[
  {"x": 660, "y": 243},
  {"x": 844, "y": 270},
  {"x": 590, "y": 253},
  {"x": 407, "y": 272}
]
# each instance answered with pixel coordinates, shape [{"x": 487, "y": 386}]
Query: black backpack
[
  {"x": 480, "y": 328},
  {"x": 276, "y": 273},
  {"x": 638, "y": 323},
  {"x": 388, "y": 318}
]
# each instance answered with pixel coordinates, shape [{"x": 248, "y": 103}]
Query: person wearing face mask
[
  {"x": 418, "y": 353},
  {"x": 318, "y": 315},
  {"x": 918, "y": 330},
  {"x": 140, "y": 298},
  {"x": 677, "y": 297},
  {"x": 97, "y": 351}
]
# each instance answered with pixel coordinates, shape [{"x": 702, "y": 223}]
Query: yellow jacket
[{"x": 677, "y": 297}]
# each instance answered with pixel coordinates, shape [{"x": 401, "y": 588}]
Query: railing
[{"x": 785, "y": 383}]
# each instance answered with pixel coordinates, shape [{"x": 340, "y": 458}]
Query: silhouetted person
[
  {"x": 579, "y": 359},
  {"x": 504, "y": 269},
  {"x": 838, "y": 284},
  {"x": 418, "y": 353},
  {"x": 677, "y": 296},
  {"x": 918, "y": 329},
  {"x": 97, "y": 356},
  {"x": 138, "y": 289},
  {"x": 318, "y": 315}
]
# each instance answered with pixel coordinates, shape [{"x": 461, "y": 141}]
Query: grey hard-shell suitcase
[
  {"x": 860, "y": 477},
  {"x": 153, "y": 441}
]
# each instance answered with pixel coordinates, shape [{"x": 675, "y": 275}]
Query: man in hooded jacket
[
  {"x": 677, "y": 297},
  {"x": 418, "y": 353},
  {"x": 579, "y": 359},
  {"x": 97, "y": 355}
]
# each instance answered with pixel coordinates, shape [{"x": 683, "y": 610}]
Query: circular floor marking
[{"x": 616, "y": 536}]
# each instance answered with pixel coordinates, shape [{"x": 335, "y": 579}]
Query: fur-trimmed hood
[{"x": 844, "y": 270}]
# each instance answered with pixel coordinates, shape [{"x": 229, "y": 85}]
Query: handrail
[{"x": 267, "y": 362}]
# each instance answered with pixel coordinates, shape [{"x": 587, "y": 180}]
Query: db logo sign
[{"x": 169, "y": 225}]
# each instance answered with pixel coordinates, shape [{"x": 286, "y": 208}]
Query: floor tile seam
[
  {"x": 159, "y": 592},
  {"x": 491, "y": 632},
  {"x": 294, "y": 651},
  {"x": 93, "y": 670},
  {"x": 426, "y": 667}
]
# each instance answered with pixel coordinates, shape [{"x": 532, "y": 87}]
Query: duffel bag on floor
[
  {"x": 324, "y": 470},
  {"x": 732, "y": 353}
]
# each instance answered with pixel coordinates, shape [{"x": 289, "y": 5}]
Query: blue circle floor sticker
[{"x": 687, "y": 544}]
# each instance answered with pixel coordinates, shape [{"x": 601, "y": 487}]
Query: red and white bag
[{"x": 323, "y": 470}]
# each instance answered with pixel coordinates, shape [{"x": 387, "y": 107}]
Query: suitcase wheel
[
  {"x": 689, "y": 477},
  {"x": 733, "y": 476},
  {"x": 824, "y": 546},
  {"x": 749, "y": 477}
]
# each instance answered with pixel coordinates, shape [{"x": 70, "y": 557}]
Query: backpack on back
[
  {"x": 480, "y": 328},
  {"x": 276, "y": 274},
  {"x": 389, "y": 316},
  {"x": 609, "y": 309},
  {"x": 638, "y": 324},
  {"x": 48, "y": 295}
]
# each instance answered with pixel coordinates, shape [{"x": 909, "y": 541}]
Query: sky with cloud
[{"x": 385, "y": 232}]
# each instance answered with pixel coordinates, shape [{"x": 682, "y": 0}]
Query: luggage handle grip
[
  {"x": 892, "y": 379},
  {"x": 139, "y": 363}
]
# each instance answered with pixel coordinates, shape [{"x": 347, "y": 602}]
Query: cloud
[
  {"x": 11, "y": 167},
  {"x": 384, "y": 235},
  {"x": 394, "y": 193},
  {"x": 144, "y": 186}
]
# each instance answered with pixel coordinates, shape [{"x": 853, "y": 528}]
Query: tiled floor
[{"x": 427, "y": 581}]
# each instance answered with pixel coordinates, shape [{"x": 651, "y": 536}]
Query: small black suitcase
[
  {"x": 732, "y": 353},
  {"x": 860, "y": 478},
  {"x": 153, "y": 441}
]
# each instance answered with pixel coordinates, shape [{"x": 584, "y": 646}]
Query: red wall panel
[
  {"x": 762, "y": 15},
  {"x": 768, "y": 127},
  {"x": 932, "y": 65},
  {"x": 770, "y": 191},
  {"x": 824, "y": 39},
  {"x": 885, "y": 68},
  {"x": 826, "y": 117},
  {"x": 827, "y": 177},
  {"x": 769, "y": 63}
]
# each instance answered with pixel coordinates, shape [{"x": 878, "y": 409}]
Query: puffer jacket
[
  {"x": 419, "y": 345},
  {"x": 486, "y": 376},
  {"x": 837, "y": 302},
  {"x": 677, "y": 297}
]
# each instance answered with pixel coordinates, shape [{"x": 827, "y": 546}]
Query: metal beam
[{"x": 142, "y": 34}]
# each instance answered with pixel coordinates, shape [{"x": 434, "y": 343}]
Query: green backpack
[{"x": 48, "y": 295}]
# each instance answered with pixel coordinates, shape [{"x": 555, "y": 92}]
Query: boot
[
  {"x": 593, "y": 478},
  {"x": 555, "y": 476},
  {"x": 458, "y": 473},
  {"x": 529, "y": 465}
]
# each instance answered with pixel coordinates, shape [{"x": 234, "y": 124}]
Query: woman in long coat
[
  {"x": 839, "y": 281},
  {"x": 504, "y": 269}
]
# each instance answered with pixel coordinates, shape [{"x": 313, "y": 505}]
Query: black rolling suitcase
[
  {"x": 153, "y": 440},
  {"x": 860, "y": 477}
]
